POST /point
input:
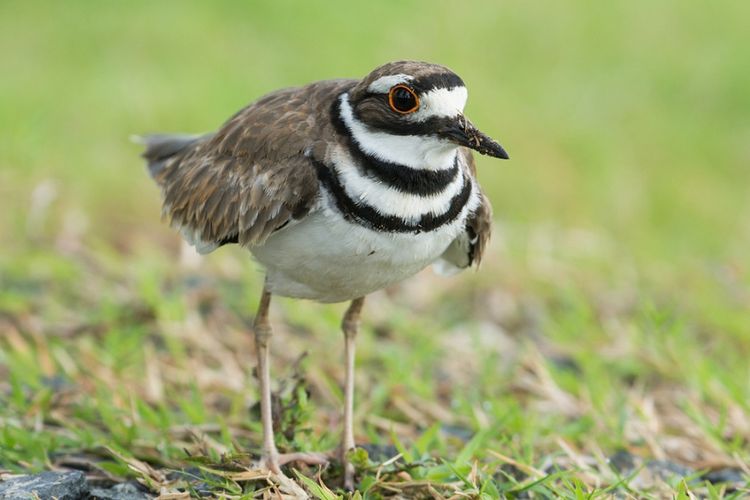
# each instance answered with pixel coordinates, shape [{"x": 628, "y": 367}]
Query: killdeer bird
[{"x": 338, "y": 188}]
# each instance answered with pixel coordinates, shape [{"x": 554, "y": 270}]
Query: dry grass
[{"x": 489, "y": 384}]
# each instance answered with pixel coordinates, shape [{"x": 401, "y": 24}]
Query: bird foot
[
  {"x": 273, "y": 462},
  {"x": 305, "y": 457},
  {"x": 348, "y": 476},
  {"x": 342, "y": 454}
]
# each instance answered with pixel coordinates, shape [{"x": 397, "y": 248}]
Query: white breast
[{"x": 328, "y": 259}]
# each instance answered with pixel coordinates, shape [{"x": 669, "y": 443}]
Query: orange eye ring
[{"x": 403, "y": 100}]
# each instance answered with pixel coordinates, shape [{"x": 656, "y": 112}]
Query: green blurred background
[
  {"x": 625, "y": 118},
  {"x": 621, "y": 250}
]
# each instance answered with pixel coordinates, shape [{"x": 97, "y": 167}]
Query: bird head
[{"x": 420, "y": 101}]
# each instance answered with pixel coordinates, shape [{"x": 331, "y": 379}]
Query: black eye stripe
[{"x": 428, "y": 127}]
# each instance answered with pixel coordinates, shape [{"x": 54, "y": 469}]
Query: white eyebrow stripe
[{"x": 384, "y": 83}]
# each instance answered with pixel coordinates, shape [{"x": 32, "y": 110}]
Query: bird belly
[{"x": 328, "y": 259}]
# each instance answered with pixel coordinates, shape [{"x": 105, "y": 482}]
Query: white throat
[{"x": 419, "y": 152}]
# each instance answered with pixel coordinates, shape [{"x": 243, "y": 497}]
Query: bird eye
[{"x": 403, "y": 100}]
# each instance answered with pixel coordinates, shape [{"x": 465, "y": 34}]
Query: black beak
[{"x": 463, "y": 132}]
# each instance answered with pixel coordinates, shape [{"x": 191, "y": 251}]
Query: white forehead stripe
[
  {"x": 440, "y": 102},
  {"x": 384, "y": 83}
]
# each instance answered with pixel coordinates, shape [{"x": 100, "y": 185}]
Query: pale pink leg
[
  {"x": 271, "y": 459},
  {"x": 350, "y": 326},
  {"x": 262, "y": 328}
]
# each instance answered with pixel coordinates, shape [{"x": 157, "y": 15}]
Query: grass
[{"x": 612, "y": 313}]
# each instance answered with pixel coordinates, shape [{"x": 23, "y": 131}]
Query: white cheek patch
[
  {"x": 440, "y": 102},
  {"x": 383, "y": 84},
  {"x": 409, "y": 150}
]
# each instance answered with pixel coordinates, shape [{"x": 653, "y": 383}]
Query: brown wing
[
  {"x": 469, "y": 245},
  {"x": 479, "y": 224},
  {"x": 251, "y": 177},
  {"x": 479, "y": 227}
]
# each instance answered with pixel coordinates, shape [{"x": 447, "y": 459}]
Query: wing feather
[
  {"x": 253, "y": 175},
  {"x": 479, "y": 223},
  {"x": 469, "y": 246}
]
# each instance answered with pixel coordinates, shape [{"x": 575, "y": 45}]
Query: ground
[{"x": 601, "y": 349}]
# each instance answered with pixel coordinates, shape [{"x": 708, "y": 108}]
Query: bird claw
[
  {"x": 348, "y": 476},
  {"x": 305, "y": 457},
  {"x": 271, "y": 464},
  {"x": 274, "y": 462}
]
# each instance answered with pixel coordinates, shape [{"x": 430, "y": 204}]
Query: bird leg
[
  {"x": 262, "y": 329},
  {"x": 271, "y": 459},
  {"x": 350, "y": 327}
]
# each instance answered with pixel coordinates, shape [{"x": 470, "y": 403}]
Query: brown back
[{"x": 254, "y": 175}]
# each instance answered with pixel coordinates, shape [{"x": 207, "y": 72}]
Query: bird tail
[{"x": 161, "y": 147}]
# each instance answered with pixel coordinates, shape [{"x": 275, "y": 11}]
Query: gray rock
[
  {"x": 623, "y": 462},
  {"x": 380, "y": 452},
  {"x": 59, "y": 485},
  {"x": 192, "y": 476},
  {"x": 457, "y": 431},
  {"x": 665, "y": 469},
  {"x": 123, "y": 491},
  {"x": 727, "y": 475}
]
